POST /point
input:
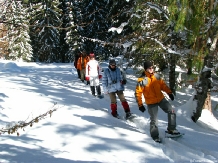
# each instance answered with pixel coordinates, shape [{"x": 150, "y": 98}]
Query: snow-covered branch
[{"x": 13, "y": 128}]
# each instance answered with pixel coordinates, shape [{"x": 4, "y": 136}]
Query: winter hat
[
  {"x": 92, "y": 55},
  {"x": 147, "y": 64},
  {"x": 112, "y": 62}
]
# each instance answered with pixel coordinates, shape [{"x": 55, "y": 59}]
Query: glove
[
  {"x": 87, "y": 78},
  {"x": 99, "y": 76},
  {"x": 142, "y": 108},
  {"x": 123, "y": 82},
  {"x": 171, "y": 96}
]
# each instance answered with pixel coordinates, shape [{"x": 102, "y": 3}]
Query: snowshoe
[
  {"x": 116, "y": 116},
  {"x": 100, "y": 96},
  {"x": 173, "y": 132},
  {"x": 157, "y": 140},
  {"x": 169, "y": 135},
  {"x": 130, "y": 116}
]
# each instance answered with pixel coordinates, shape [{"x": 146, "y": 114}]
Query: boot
[
  {"x": 98, "y": 88},
  {"x": 172, "y": 124},
  {"x": 92, "y": 90},
  {"x": 126, "y": 108},
  {"x": 114, "y": 110}
]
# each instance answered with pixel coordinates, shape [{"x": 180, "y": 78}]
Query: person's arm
[
  {"x": 138, "y": 92},
  {"x": 105, "y": 81}
]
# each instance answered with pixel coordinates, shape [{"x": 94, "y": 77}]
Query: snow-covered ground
[{"x": 82, "y": 129}]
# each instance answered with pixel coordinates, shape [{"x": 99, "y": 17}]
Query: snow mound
[{"x": 11, "y": 66}]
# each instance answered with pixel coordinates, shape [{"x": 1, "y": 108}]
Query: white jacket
[{"x": 92, "y": 68}]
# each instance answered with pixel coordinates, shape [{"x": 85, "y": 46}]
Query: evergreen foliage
[
  {"x": 45, "y": 31},
  {"x": 66, "y": 20},
  {"x": 91, "y": 18},
  {"x": 18, "y": 38}
]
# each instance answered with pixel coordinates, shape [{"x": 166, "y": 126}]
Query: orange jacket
[
  {"x": 81, "y": 62},
  {"x": 150, "y": 85}
]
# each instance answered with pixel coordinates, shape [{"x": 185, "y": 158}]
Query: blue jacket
[{"x": 111, "y": 80}]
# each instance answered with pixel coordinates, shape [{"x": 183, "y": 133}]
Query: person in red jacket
[{"x": 151, "y": 85}]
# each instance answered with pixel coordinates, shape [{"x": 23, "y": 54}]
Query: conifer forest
[{"x": 169, "y": 33}]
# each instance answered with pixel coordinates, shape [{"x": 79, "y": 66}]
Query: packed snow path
[{"x": 82, "y": 129}]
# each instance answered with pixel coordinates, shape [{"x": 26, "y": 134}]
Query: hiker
[
  {"x": 151, "y": 85},
  {"x": 113, "y": 84},
  {"x": 93, "y": 75},
  {"x": 81, "y": 65},
  {"x": 75, "y": 64}
]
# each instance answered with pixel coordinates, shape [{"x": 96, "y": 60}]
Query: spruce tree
[
  {"x": 18, "y": 38},
  {"x": 45, "y": 24},
  {"x": 91, "y": 18},
  {"x": 66, "y": 23}
]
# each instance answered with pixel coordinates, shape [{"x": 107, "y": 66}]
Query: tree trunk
[
  {"x": 172, "y": 74},
  {"x": 203, "y": 88}
]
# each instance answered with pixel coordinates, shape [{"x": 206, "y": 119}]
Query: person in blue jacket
[{"x": 113, "y": 84}]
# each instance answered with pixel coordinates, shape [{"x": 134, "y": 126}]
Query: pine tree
[
  {"x": 91, "y": 18},
  {"x": 197, "y": 19},
  {"x": 45, "y": 24},
  {"x": 66, "y": 23},
  {"x": 18, "y": 38},
  {"x": 72, "y": 36}
]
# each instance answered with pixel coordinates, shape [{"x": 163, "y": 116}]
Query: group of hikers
[{"x": 149, "y": 85}]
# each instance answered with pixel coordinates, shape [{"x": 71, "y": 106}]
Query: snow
[{"x": 82, "y": 129}]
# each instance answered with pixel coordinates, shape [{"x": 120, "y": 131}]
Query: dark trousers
[
  {"x": 153, "y": 111},
  {"x": 78, "y": 72}
]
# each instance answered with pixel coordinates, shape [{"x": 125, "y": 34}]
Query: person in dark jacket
[
  {"x": 113, "y": 84},
  {"x": 151, "y": 85}
]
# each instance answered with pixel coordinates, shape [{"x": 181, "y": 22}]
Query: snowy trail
[
  {"x": 87, "y": 118},
  {"x": 171, "y": 147}
]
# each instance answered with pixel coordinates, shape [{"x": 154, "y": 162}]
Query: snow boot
[{"x": 171, "y": 121}]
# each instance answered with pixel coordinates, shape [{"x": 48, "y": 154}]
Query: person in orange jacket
[
  {"x": 76, "y": 57},
  {"x": 81, "y": 65},
  {"x": 151, "y": 85}
]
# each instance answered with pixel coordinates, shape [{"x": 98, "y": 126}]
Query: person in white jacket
[{"x": 93, "y": 75}]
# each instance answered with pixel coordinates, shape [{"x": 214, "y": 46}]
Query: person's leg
[
  {"x": 167, "y": 108},
  {"x": 97, "y": 85},
  {"x": 78, "y": 72},
  {"x": 82, "y": 73},
  {"x": 92, "y": 87},
  {"x": 98, "y": 88},
  {"x": 153, "y": 110},
  {"x": 112, "y": 96},
  {"x": 123, "y": 101}
]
